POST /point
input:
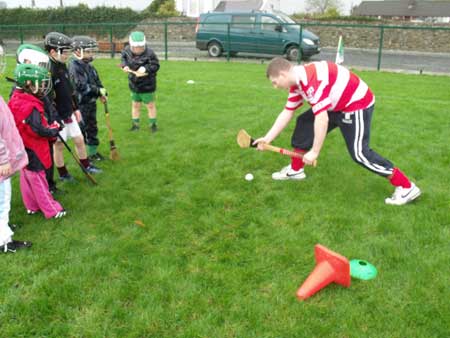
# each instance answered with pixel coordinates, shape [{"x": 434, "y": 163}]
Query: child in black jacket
[
  {"x": 88, "y": 89},
  {"x": 142, "y": 64}
]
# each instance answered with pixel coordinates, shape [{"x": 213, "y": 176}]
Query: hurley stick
[
  {"x": 246, "y": 141},
  {"x": 75, "y": 157},
  {"x": 113, "y": 153},
  {"x": 137, "y": 74}
]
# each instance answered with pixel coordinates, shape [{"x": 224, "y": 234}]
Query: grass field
[{"x": 213, "y": 255}]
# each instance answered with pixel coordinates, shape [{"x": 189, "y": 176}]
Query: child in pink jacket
[{"x": 12, "y": 158}]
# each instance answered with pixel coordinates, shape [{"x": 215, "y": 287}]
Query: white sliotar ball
[
  {"x": 190, "y": 82},
  {"x": 249, "y": 177}
]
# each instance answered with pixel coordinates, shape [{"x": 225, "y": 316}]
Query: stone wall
[{"x": 357, "y": 36}]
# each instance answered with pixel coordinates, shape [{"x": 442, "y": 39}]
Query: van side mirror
[{"x": 278, "y": 28}]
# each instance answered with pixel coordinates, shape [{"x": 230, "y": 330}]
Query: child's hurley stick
[
  {"x": 113, "y": 153},
  {"x": 245, "y": 141}
]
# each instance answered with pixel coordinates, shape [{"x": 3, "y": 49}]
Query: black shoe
[
  {"x": 92, "y": 169},
  {"x": 14, "y": 245},
  {"x": 134, "y": 127},
  {"x": 154, "y": 128},
  {"x": 67, "y": 178}
]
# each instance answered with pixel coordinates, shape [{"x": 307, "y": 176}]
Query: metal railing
[{"x": 378, "y": 44}]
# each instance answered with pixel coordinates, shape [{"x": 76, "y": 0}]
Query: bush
[{"x": 67, "y": 15}]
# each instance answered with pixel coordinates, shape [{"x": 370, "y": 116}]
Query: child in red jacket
[{"x": 28, "y": 110}]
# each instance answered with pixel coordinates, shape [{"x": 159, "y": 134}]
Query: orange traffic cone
[{"x": 330, "y": 267}]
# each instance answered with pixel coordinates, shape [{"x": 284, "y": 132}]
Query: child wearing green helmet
[
  {"x": 32, "y": 83},
  {"x": 141, "y": 64},
  {"x": 32, "y": 54},
  {"x": 12, "y": 159}
]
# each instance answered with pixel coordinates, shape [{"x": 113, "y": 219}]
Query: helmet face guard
[
  {"x": 86, "y": 54},
  {"x": 84, "y": 47},
  {"x": 63, "y": 54},
  {"x": 2, "y": 60},
  {"x": 60, "y": 43}
]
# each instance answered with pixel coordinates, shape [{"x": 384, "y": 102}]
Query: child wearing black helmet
[
  {"x": 59, "y": 48},
  {"x": 88, "y": 89}
]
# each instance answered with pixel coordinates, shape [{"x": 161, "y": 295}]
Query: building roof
[
  {"x": 403, "y": 8},
  {"x": 239, "y": 6}
]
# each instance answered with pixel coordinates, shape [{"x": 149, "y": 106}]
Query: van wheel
[
  {"x": 292, "y": 53},
  {"x": 214, "y": 49}
]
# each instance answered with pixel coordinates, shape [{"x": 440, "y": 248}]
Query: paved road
[
  {"x": 434, "y": 63},
  {"x": 413, "y": 62}
]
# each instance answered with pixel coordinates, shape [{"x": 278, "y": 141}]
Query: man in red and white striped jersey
[{"x": 338, "y": 98}]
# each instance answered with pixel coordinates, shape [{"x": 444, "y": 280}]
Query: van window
[
  {"x": 285, "y": 18},
  {"x": 268, "y": 23},
  {"x": 243, "y": 22},
  {"x": 216, "y": 22}
]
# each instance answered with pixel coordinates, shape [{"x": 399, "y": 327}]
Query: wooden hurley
[
  {"x": 246, "y": 141},
  {"x": 75, "y": 157},
  {"x": 113, "y": 153},
  {"x": 137, "y": 74}
]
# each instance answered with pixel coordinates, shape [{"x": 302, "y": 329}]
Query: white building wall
[{"x": 193, "y": 8}]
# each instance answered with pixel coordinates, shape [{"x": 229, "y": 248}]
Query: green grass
[{"x": 218, "y": 256}]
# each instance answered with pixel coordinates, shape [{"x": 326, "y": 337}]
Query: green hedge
[
  {"x": 67, "y": 15},
  {"x": 29, "y": 23}
]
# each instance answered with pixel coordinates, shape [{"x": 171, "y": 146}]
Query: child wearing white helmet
[{"x": 142, "y": 65}]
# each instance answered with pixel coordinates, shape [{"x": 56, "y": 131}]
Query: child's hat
[{"x": 137, "y": 39}]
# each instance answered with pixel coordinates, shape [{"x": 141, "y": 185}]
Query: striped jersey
[{"x": 327, "y": 86}]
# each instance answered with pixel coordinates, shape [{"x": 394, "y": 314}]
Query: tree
[
  {"x": 322, "y": 6},
  {"x": 161, "y": 8},
  {"x": 153, "y": 8},
  {"x": 168, "y": 9}
]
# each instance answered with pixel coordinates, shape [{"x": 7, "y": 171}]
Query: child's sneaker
[
  {"x": 31, "y": 212},
  {"x": 134, "y": 127},
  {"x": 60, "y": 214},
  {"x": 403, "y": 195},
  {"x": 13, "y": 227},
  {"x": 153, "y": 128},
  {"x": 14, "y": 245},
  {"x": 96, "y": 157},
  {"x": 67, "y": 178},
  {"x": 287, "y": 173},
  {"x": 92, "y": 169}
]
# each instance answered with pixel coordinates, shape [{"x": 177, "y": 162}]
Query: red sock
[
  {"x": 399, "y": 179},
  {"x": 297, "y": 163},
  {"x": 85, "y": 162},
  {"x": 62, "y": 171}
]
